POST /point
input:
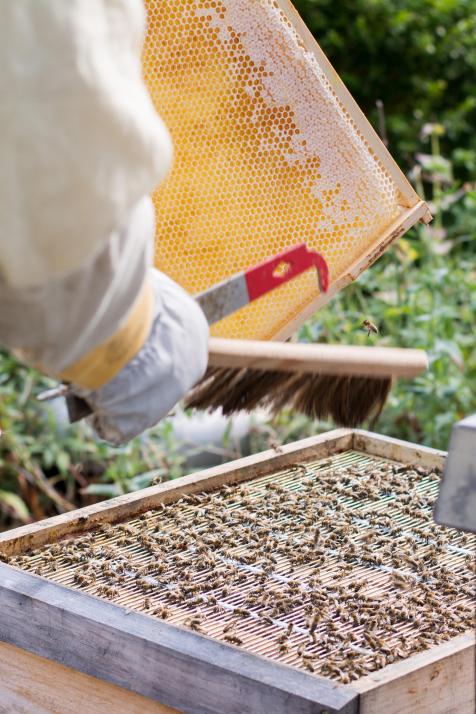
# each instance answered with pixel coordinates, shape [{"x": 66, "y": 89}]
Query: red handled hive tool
[
  {"x": 238, "y": 291},
  {"x": 226, "y": 298}
]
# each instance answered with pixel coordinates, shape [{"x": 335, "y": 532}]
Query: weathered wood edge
[
  {"x": 115, "y": 509},
  {"x": 249, "y": 467},
  {"x": 160, "y": 661},
  {"x": 34, "y": 685},
  {"x": 398, "y": 670},
  {"x": 331, "y": 442},
  {"x": 397, "y": 449}
]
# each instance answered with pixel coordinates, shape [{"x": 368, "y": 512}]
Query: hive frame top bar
[
  {"x": 244, "y": 469},
  {"x": 411, "y": 216}
]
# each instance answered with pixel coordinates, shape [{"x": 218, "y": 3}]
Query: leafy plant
[{"x": 417, "y": 56}]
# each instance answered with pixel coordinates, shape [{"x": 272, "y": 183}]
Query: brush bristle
[{"x": 348, "y": 401}]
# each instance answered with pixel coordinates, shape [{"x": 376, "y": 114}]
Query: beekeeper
[{"x": 82, "y": 147}]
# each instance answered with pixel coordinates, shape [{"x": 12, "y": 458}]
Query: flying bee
[
  {"x": 370, "y": 327},
  {"x": 275, "y": 445}
]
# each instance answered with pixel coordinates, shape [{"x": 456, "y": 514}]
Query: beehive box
[{"x": 308, "y": 579}]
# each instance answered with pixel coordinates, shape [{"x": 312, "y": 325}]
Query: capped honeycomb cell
[{"x": 270, "y": 151}]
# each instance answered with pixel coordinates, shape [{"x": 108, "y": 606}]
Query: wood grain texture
[
  {"x": 177, "y": 667},
  {"x": 439, "y": 681},
  {"x": 398, "y": 450},
  {"x": 348, "y": 360},
  {"x": 34, "y": 685},
  {"x": 166, "y": 663},
  {"x": 116, "y": 509}
]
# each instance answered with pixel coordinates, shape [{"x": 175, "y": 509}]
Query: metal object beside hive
[{"x": 456, "y": 504}]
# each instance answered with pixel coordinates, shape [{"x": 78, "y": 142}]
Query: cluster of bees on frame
[{"x": 336, "y": 568}]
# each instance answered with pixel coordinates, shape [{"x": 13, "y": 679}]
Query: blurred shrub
[{"x": 417, "y": 56}]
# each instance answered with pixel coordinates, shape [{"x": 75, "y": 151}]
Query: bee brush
[{"x": 346, "y": 383}]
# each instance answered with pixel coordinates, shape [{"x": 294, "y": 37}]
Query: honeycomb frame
[{"x": 270, "y": 151}]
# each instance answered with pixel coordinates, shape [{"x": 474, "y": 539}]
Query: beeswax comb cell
[{"x": 270, "y": 150}]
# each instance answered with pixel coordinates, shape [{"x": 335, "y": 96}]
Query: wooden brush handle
[{"x": 317, "y": 358}]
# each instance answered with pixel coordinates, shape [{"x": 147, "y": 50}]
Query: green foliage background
[{"x": 419, "y": 58}]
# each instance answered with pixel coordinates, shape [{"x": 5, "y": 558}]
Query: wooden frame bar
[
  {"x": 414, "y": 210},
  {"x": 441, "y": 679},
  {"x": 409, "y": 196},
  {"x": 30, "y": 684}
]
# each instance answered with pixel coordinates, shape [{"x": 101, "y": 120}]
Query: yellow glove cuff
[{"x": 106, "y": 360}]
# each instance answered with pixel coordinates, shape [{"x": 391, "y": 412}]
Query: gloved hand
[{"x": 170, "y": 362}]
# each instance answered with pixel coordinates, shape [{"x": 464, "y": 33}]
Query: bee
[
  {"x": 81, "y": 579},
  {"x": 370, "y": 327},
  {"x": 233, "y": 639},
  {"x": 107, "y": 591},
  {"x": 316, "y": 538},
  {"x": 313, "y": 623},
  {"x": 267, "y": 619},
  {"x": 275, "y": 445},
  {"x": 195, "y": 623},
  {"x": 401, "y": 580}
]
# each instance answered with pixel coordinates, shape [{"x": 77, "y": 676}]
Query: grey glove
[{"x": 171, "y": 361}]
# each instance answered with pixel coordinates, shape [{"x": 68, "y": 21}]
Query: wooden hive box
[{"x": 335, "y": 593}]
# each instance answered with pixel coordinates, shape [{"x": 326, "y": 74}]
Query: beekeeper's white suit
[{"x": 81, "y": 149}]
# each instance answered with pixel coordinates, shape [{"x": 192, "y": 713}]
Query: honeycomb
[{"x": 266, "y": 154}]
